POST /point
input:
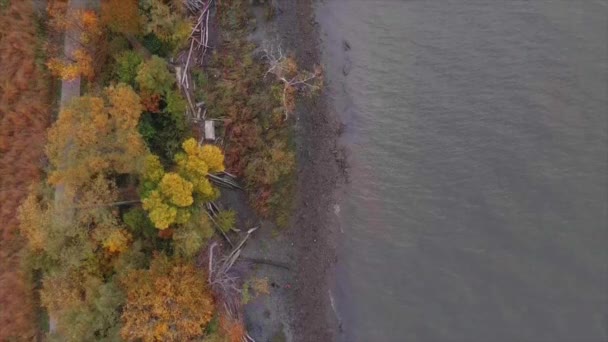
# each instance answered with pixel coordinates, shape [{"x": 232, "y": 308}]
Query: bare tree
[{"x": 285, "y": 69}]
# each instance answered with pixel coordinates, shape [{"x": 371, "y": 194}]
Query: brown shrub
[
  {"x": 121, "y": 15},
  {"x": 233, "y": 330}
]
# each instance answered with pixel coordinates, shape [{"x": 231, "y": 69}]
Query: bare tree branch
[{"x": 285, "y": 70}]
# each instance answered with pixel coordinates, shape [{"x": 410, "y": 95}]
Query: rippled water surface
[{"x": 477, "y": 208}]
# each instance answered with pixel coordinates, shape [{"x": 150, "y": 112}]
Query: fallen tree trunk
[
  {"x": 229, "y": 183},
  {"x": 267, "y": 262},
  {"x": 217, "y": 226}
]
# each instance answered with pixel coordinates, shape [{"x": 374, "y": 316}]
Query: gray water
[{"x": 478, "y": 194}]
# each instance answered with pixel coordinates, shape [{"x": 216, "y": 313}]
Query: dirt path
[{"x": 69, "y": 90}]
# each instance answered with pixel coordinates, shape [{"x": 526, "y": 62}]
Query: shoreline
[
  {"x": 319, "y": 173},
  {"x": 299, "y": 307}
]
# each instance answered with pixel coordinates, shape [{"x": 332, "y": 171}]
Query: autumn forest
[{"x": 111, "y": 227}]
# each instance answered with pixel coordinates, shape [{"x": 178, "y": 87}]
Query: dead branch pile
[
  {"x": 194, "y": 5},
  {"x": 199, "y": 38},
  {"x": 225, "y": 283},
  {"x": 199, "y": 44}
]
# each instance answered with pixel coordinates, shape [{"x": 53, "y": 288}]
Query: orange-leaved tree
[
  {"x": 168, "y": 302},
  {"x": 83, "y": 32}
]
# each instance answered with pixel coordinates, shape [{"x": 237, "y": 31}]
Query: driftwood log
[{"x": 267, "y": 262}]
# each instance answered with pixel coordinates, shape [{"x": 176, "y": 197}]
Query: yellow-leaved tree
[
  {"x": 170, "y": 301},
  {"x": 117, "y": 240},
  {"x": 195, "y": 162},
  {"x": 93, "y": 135},
  {"x": 168, "y": 203},
  {"x": 168, "y": 196},
  {"x": 177, "y": 190},
  {"x": 72, "y": 231},
  {"x": 77, "y": 238}
]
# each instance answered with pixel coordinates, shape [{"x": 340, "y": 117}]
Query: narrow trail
[{"x": 69, "y": 90}]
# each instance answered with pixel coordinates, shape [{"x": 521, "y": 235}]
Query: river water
[{"x": 478, "y": 195}]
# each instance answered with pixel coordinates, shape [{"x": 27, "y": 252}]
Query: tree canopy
[
  {"x": 84, "y": 30},
  {"x": 85, "y": 304},
  {"x": 111, "y": 235},
  {"x": 165, "y": 21},
  {"x": 69, "y": 232},
  {"x": 153, "y": 76},
  {"x": 167, "y": 196},
  {"x": 195, "y": 162},
  {"x": 121, "y": 16},
  {"x": 93, "y": 135},
  {"x": 170, "y": 301}
]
